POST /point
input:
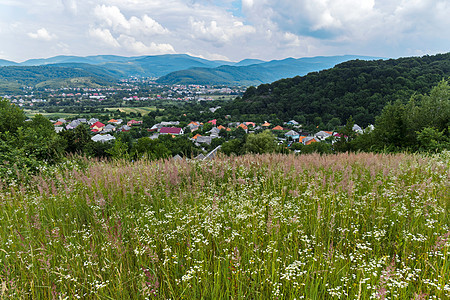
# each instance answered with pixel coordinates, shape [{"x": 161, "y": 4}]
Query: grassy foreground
[{"x": 357, "y": 226}]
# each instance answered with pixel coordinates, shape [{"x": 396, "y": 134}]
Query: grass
[
  {"x": 142, "y": 110},
  {"x": 31, "y": 113},
  {"x": 357, "y": 226}
]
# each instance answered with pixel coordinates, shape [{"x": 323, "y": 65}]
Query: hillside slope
[{"x": 355, "y": 88}]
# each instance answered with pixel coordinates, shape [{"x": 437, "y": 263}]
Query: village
[{"x": 204, "y": 134}]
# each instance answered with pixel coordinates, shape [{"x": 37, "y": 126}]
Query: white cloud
[
  {"x": 234, "y": 29},
  {"x": 212, "y": 32},
  {"x": 71, "y": 6},
  {"x": 139, "y": 47},
  {"x": 105, "y": 36},
  {"x": 42, "y": 34},
  {"x": 114, "y": 18}
]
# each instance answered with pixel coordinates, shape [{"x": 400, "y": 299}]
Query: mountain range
[{"x": 169, "y": 69}]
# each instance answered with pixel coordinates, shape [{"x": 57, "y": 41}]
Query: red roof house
[{"x": 171, "y": 130}]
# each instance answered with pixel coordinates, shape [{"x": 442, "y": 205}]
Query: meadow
[
  {"x": 141, "y": 110},
  {"x": 345, "y": 226}
]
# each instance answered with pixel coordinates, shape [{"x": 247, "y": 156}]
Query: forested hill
[{"x": 355, "y": 88}]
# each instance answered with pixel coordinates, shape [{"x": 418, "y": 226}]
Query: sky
[{"x": 223, "y": 30}]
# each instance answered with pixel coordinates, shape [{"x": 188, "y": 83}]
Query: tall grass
[{"x": 357, "y": 226}]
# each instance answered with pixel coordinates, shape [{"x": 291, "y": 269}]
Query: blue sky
[{"x": 228, "y": 30}]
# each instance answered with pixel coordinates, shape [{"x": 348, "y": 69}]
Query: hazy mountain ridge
[
  {"x": 263, "y": 72},
  {"x": 170, "y": 68}
]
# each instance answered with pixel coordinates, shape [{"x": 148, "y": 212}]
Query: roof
[
  {"x": 112, "y": 121},
  {"x": 98, "y": 124},
  {"x": 214, "y": 122},
  {"x": 291, "y": 133},
  {"x": 58, "y": 123},
  {"x": 243, "y": 126},
  {"x": 170, "y": 130},
  {"x": 300, "y": 139},
  {"x": 220, "y": 127},
  {"x": 266, "y": 124},
  {"x": 277, "y": 128},
  {"x": 196, "y": 136}
]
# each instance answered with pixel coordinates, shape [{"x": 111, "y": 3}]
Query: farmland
[
  {"x": 137, "y": 110},
  {"x": 357, "y": 226}
]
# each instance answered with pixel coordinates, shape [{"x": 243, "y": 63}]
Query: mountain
[
  {"x": 12, "y": 78},
  {"x": 261, "y": 72},
  {"x": 354, "y": 88},
  {"x": 248, "y": 62},
  {"x": 4, "y": 62},
  {"x": 94, "y": 60}
]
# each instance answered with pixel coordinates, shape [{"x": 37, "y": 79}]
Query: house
[
  {"x": 58, "y": 129},
  {"x": 292, "y": 134},
  {"x": 214, "y": 131},
  {"x": 109, "y": 128},
  {"x": 243, "y": 126},
  {"x": 196, "y": 136},
  {"x": 102, "y": 138},
  {"x": 200, "y": 157},
  {"x": 134, "y": 122},
  {"x": 214, "y": 122},
  {"x": 292, "y": 122},
  {"x": 62, "y": 121},
  {"x": 204, "y": 140},
  {"x": 193, "y": 126},
  {"x": 357, "y": 129},
  {"x": 92, "y": 121},
  {"x": 322, "y": 135},
  {"x": 278, "y": 127},
  {"x": 250, "y": 124},
  {"x": 125, "y": 128},
  {"x": 301, "y": 138},
  {"x": 59, "y": 123},
  {"x": 220, "y": 127},
  {"x": 73, "y": 124},
  {"x": 213, "y": 153},
  {"x": 97, "y": 126},
  {"x": 266, "y": 124},
  {"x": 171, "y": 130},
  {"x": 309, "y": 140},
  {"x": 213, "y": 109}
]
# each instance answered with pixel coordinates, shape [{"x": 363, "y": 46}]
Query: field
[
  {"x": 142, "y": 110},
  {"x": 356, "y": 226},
  {"x": 52, "y": 116}
]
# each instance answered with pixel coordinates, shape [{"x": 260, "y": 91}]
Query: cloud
[
  {"x": 105, "y": 36},
  {"x": 42, "y": 34},
  {"x": 113, "y": 18},
  {"x": 139, "y": 47},
  {"x": 71, "y": 6},
  {"x": 219, "y": 34}
]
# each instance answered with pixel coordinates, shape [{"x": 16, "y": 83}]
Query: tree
[
  {"x": 263, "y": 142},
  {"x": 118, "y": 150},
  {"x": 11, "y": 116}
]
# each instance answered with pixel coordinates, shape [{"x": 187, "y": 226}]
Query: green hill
[
  {"x": 355, "y": 88},
  {"x": 13, "y": 77}
]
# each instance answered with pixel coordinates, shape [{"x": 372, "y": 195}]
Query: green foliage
[
  {"x": 118, "y": 150},
  {"x": 423, "y": 123},
  {"x": 259, "y": 143},
  {"x": 355, "y": 88},
  {"x": 234, "y": 146},
  {"x": 11, "y": 116},
  {"x": 148, "y": 148}
]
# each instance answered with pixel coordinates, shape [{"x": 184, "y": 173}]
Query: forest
[{"x": 356, "y": 88}]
